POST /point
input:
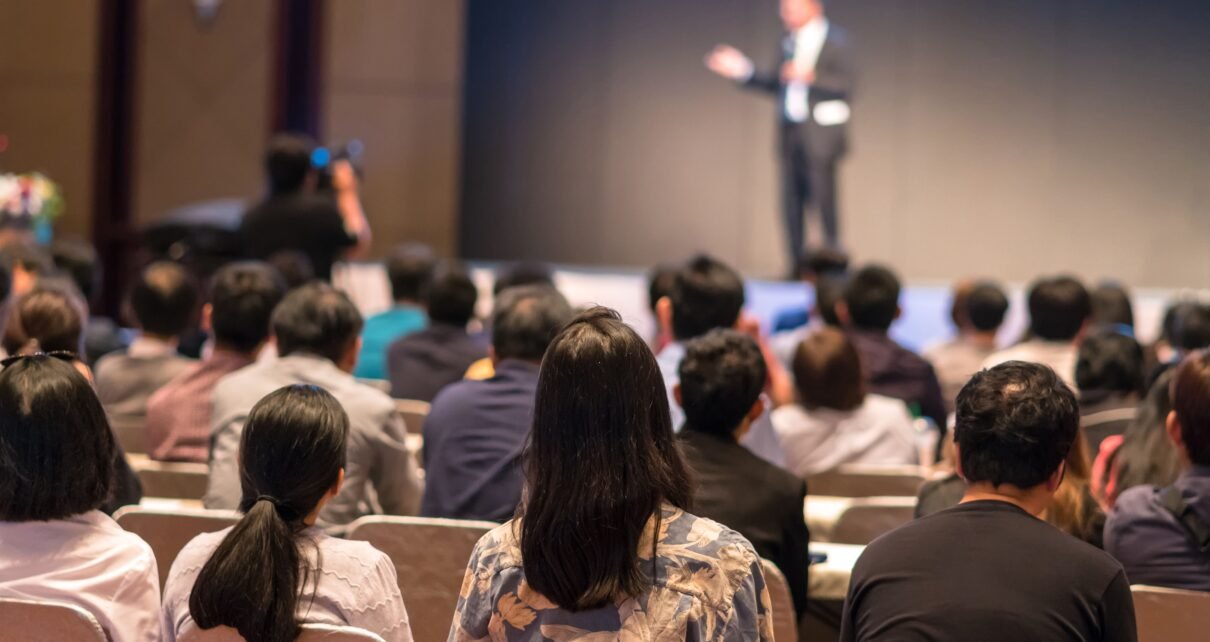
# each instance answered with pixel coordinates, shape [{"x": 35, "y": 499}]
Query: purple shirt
[{"x": 1151, "y": 544}]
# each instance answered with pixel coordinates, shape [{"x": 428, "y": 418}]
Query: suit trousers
[{"x": 808, "y": 181}]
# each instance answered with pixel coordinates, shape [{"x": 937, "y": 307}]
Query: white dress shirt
[
  {"x": 808, "y": 42},
  {"x": 878, "y": 432},
  {"x": 356, "y": 586},
  {"x": 89, "y": 561}
]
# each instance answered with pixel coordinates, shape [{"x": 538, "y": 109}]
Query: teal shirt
[{"x": 379, "y": 332}]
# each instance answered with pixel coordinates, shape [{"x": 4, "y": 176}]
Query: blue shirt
[
  {"x": 1151, "y": 544},
  {"x": 473, "y": 440},
  {"x": 379, "y": 331}
]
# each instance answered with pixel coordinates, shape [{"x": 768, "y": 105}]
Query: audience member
[
  {"x": 977, "y": 312},
  {"x": 242, "y": 298},
  {"x": 78, "y": 260},
  {"x": 1187, "y": 327},
  {"x": 409, "y": 268},
  {"x": 1111, "y": 307},
  {"x": 1162, "y": 534},
  {"x": 163, "y": 301},
  {"x": 294, "y": 266},
  {"x": 276, "y": 569},
  {"x": 510, "y": 276},
  {"x": 602, "y": 543},
  {"x": 870, "y": 306},
  {"x": 828, "y": 291},
  {"x": 6, "y": 285},
  {"x": 721, "y": 378},
  {"x": 818, "y": 265},
  {"x": 659, "y": 285},
  {"x": 294, "y": 217},
  {"x": 1109, "y": 375},
  {"x": 422, "y": 363},
  {"x": 25, "y": 264},
  {"x": 57, "y": 453},
  {"x": 835, "y": 421},
  {"x": 988, "y": 566},
  {"x": 476, "y": 431},
  {"x": 315, "y": 328},
  {"x": 706, "y": 294},
  {"x": 1059, "y": 309},
  {"x": 1143, "y": 454}
]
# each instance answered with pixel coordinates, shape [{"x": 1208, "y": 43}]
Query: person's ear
[
  {"x": 491, "y": 356},
  {"x": 842, "y": 313},
  {"x": 958, "y": 461},
  {"x": 340, "y": 482},
  {"x": 676, "y": 394},
  {"x": 757, "y": 409},
  {"x": 1056, "y": 478},
  {"x": 663, "y": 315},
  {"x": 1172, "y": 425},
  {"x": 349, "y": 362},
  {"x": 207, "y": 323},
  {"x": 898, "y": 312}
]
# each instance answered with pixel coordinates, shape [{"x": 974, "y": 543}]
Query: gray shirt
[{"x": 379, "y": 470}]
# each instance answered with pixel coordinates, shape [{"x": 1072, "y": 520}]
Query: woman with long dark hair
[
  {"x": 275, "y": 570},
  {"x": 603, "y": 543}
]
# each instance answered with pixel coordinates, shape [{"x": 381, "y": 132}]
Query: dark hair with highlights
[
  {"x": 291, "y": 454},
  {"x": 601, "y": 462}
]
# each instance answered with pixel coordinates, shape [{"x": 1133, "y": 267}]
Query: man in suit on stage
[{"x": 813, "y": 82}]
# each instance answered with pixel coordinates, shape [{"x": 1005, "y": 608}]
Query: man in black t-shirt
[
  {"x": 989, "y": 569},
  {"x": 294, "y": 218}
]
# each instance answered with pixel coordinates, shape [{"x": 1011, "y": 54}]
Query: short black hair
[
  {"x": 56, "y": 448},
  {"x": 1111, "y": 305},
  {"x": 824, "y": 261},
  {"x": 288, "y": 162},
  {"x": 722, "y": 375},
  {"x": 409, "y": 268},
  {"x": 1191, "y": 403},
  {"x": 986, "y": 305},
  {"x": 659, "y": 283},
  {"x": 1189, "y": 328},
  {"x": 6, "y": 283},
  {"x": 829, "y": 290},
  {"x": 526, "y": 319},
  {"x": 451, "y": 296},
  {"x": 872, "y": 297},
  {"x": 1109, "y": 361},
  {"x": 1058, "y": 308},
  {"x": 706, "y": 294},
  {"x": 316, "y": 318},
  {"x": 1016, "y": 423},
  {"x": 242, "y": 298},
  {"x": 295, "y": 267},
  {"x": 164, "y": 299},
  {"x": 78, "y": 260},
  {"x": 523, "y": 273}
]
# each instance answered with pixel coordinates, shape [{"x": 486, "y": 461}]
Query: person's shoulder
[
  {"x": 724, "y": 552},
  {"x": 193, "y": 557},
  {"x": 459, "y": 393},
  {"x": 499, "y": 549},
  {"x": 360, "y": 398},
  {"x": 111, "y": 362},
  {"x": 883, "y": 405},
  {"x": 1134, "y": 503}
]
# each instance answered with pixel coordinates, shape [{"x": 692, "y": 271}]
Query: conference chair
[
  {"x": 414, "y": 413},
  {"x": 172, "y": 480},
  {"x": 1170, "y": 615},
  {"x": 42, "y": 621},
  {"x": 430, "y": 557},
  {"x": 168, "y": 531},
  {"x": 868, "y": 518},
  {"x": 855, "y": 480},
  {"x": 131, "y": 434},
  {"x": 310, "y": 633},
  {"x": 785, "y": 618}
]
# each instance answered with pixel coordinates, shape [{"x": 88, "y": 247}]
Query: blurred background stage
[{"x": 989, "y": 136}]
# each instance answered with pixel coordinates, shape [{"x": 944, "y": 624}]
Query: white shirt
[
  {"x": 356, "y": 586},
  {"x": 879, "y": 432},
  {"x": 808, "y": 42},
  {"x": 89, "y": 561},
  {"x": 1059, "y": 355}
]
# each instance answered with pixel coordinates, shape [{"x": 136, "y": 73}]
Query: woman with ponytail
[
  {"x": 274, "y": 570},
  {"x": 603, "y": 547}
]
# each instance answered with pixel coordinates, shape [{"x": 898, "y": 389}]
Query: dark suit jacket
[
  {"x": 834, "y": 80},
  {"x": 422, "y": 363},
  {"x": 761, "y": 501}
]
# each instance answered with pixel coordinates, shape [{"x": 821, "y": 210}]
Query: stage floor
[{"x": 924, "y": 321}]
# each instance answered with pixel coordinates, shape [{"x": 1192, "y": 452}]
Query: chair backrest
[
  {"x": 868, "y": 518},
  {"x": 130, "y": 433},
  {"x": 430, "y": 557},
  {"x": 785, "y": 618},
  {"x": 310, "y": 633},
  {"x": 868, "y": 481},
  {"x": 38, "y": 621},
  {"x": 1168, "y": 615},
  {"x": 174, "y": 480},
  {"x": 168, "y": 531},
  {"x": 414, "y": 413}
]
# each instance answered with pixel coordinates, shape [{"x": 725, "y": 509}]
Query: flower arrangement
[{"x": 29, "y": 202}]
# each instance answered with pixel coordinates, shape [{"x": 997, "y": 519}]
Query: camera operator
[{"x": 294, "y": 217}]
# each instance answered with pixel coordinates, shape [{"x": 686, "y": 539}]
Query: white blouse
[
  {"x": 89, "y": 561},
  {"x": 878, "y": 432},
  {"x": 356, "y": 586}
]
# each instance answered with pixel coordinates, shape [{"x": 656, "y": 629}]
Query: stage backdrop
[{"x": 1006, "y": 137}]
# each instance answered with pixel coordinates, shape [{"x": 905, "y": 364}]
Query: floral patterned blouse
[{"x": 708, "y": 587}]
